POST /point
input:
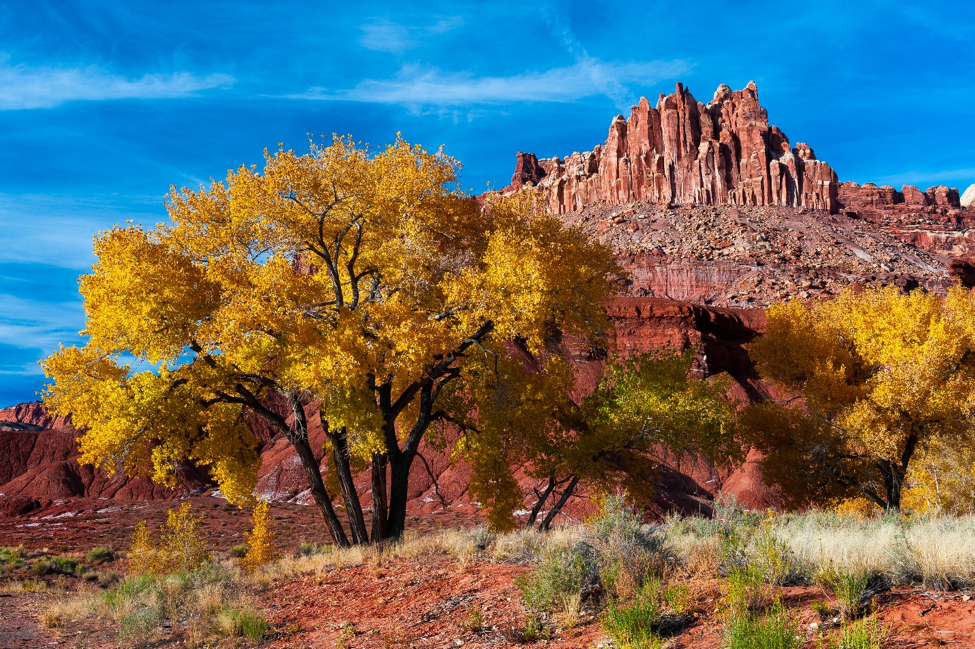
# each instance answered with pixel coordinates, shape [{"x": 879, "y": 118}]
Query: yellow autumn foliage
[
  {"x": 260, "y": 539},
  {"x": 887, "y": 387},
  {"x": 365, "y": 282},
  {"x": 178, "y": 548}
]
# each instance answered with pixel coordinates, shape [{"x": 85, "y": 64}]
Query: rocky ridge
[
  {"x": 684, "y": 152},
  {"x": 749, "y": 257}
]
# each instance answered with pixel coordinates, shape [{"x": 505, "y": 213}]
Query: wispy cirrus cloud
[
  {"x": 36, "y": 325},
  {"x": 418, "y": 87},
  {"x": 24, "y": 87},
  {"x": 927, "y": 177},
  {"x": 388, "y": 36}
]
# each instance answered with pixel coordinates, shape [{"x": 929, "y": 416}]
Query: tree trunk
[
  {"x": 399, "y": 485},
  {"x": 540, "y": 502},
  {"x": 560, "y": 504},
  {"x": 893, "y": 483},
  {"x": 379, "y": 502},
  {"x": 340, "y": 454},
  {"x": 314, "y": 475}
]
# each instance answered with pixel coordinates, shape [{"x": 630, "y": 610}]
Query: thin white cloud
[
  {"x": 30, "y": 324},
  {"x": 609, "y": 84},
  {"x": 23, "y": 87},
  {"x": 929, "y": 178},
  {"x": 57, "y": 230},
  {"x": 417, "y": 87},
  {"x": 387, "y": 36}
]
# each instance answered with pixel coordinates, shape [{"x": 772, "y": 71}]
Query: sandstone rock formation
[
  {"x": 688, "y": 153},
  {"x": 968, "y": 198},
  {"x": 39, "y": 464},
  {"x": 934, "y": 219}
]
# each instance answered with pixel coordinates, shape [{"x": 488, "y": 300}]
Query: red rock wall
[
  {"x": 688, "y": 153},
  {"x": 39, "y": 463},
  {"x": 933, "y": 219}
]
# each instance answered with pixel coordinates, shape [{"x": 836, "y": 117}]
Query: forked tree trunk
[{"x": 547, "y": 523}]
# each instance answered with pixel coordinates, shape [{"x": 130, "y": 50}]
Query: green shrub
[
  {"x": 848, "y": 586},
  {"x": 100, "y": 554},
  {"x": 557, "y": 583},
  {"x": 634, "y": 626},
  {"x": 677, "y": 598},
  {"x": 777, "y": 629},
  {"x": 626, "y": 550},
  {"x": 56, "y": 565},
  {"x": 475, "y": 617},
  {"x": 774, "y": 557},
  {"x": 746, "y": 590},
  {"x": 138, "y": 628},
  {"x": 243, "y": 622},
  {"x": 822, "y": 609},
  {"x": 863, "y": 634},
  {"x": 306, "y": 549},
  {"x": 128, "y": 590},
  {"x": 238, "y": 551},
  {"x": 10, "y": 556},
  {"x": 534, "y": 629}
]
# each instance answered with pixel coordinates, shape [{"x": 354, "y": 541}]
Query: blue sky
[{"x": 104, "y": 104}]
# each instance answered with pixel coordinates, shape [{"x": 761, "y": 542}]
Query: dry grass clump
[
  {"x": 938, "y": 551},
  {"x": 198, "y": 606},
  {"x": 522, "y": 546},
  {"x": 174, "y": 583},
  {"x": 68, "y": 609}
]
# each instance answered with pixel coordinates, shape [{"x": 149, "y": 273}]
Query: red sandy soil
[
  {"x": 424, "y": 602},
  {"x": 79, "y": 524},
  {"x": 391, "y": 602}
]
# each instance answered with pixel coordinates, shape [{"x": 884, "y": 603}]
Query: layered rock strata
[
  {"x": 935, "y": 219},
  {"x": 688, "y": 153}
]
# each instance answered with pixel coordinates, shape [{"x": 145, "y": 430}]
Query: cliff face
[
  {"x": 936, "y": 219},
  {"x": 687, "y": 153}
]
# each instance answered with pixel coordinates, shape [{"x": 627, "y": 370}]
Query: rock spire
[{"x": 685, "y": 152}]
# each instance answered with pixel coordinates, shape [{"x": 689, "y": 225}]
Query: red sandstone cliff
[
  {"x": 687, "y": 153},
  {"x": 684, "y": 152}
]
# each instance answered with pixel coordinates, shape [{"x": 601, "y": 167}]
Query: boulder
[{"x": 968, "y": 198}]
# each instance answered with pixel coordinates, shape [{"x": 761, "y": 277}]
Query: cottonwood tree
[
  {"x": 366, "y": 285},
  {"x": 884, "y": 382},
  {"x": 645, "y": 408}
]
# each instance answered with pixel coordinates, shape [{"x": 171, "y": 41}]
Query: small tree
[
  {"x": 365, "y": 286},
  {"x": 179, "y": 547},
  {"x": 260, "y": 540},
  {"x": 645, "y": 411},
  {"x": 882, "y": 379}
]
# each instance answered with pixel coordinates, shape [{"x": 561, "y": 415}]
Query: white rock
[{"x": 968, "y": 198}]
